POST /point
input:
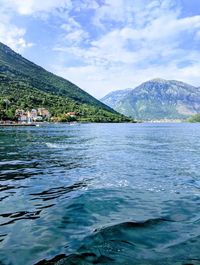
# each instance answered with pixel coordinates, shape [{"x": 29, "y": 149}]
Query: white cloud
[
  {"x": 10, "y": 34},
  {"x": 143, "y": 41},
  {"x": 134, "y": 12},
  {"x": 80, "y": 5},
  {"x": 139, "y": 40},
  {"x": 74, "y": 32},
  {"x": 14, "y": 37},
  {"x": 98, "y": 81},
  {"x": 29, "y": 7},
  {"x": 76, "y": 37},
  {"x": 161, "y": 37},
  {"x": 38, "y": 7},
  {"x": 111, "y": 44},
  {"x": 70, "y": 25}
]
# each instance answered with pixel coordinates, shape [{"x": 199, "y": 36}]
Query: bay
[{"x": 100, "y": 194}]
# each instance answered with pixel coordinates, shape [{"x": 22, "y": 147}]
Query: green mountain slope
[
  {"x": 156, "y": 99},
  {"x": 195, "y": 118},
  {"x": 27, "y": 85}
]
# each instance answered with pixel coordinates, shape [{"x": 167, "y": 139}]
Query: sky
[{"x": 106, "y": 45}]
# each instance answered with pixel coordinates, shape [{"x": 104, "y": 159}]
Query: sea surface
[{"x": 100, "y": 194}]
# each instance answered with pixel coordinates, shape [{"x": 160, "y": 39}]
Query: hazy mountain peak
[
  {"x": 158, "y": 80},
  {"x": 157, "y": 99}
]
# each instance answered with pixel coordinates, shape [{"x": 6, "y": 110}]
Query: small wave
[
  {"x": 56, "y": 146},
  {"x": 6, "y": 187},
  {"x": 18, "y": 163},
  {"x": 19, "y": 174},
  {"x": 102, "y": 183},
  {"x": 106, "y": 244},
  {"x": 16, "y": 216},
  {"x": 90, "y": 258},
  {"x": 54, "y": 193},
  {"x": 132, "y": 225}
]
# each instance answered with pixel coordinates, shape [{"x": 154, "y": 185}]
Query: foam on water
[{"x": 57, "y": 146}]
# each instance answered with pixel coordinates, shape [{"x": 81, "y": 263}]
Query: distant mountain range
[
  {"x": 156, "y": 99},
  {"x": 26, "y": 85}
]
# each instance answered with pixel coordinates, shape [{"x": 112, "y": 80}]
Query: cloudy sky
[{"x": 105, "y": 45}]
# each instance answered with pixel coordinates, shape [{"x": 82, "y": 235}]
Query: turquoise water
[{"x": 100, "y": 194}]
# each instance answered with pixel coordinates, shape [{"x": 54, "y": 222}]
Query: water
[{"x": 100, "y": 194}]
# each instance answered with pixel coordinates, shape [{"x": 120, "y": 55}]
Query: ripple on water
[
  {"x": 100, "y": 194},
  {"x": 147, "y": 242}
]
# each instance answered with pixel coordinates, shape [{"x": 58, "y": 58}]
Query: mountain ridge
[
  {"x": 156, "y": 99},
  {"x": 27, "y": 85},
  {"x": 27, "y": 62}
]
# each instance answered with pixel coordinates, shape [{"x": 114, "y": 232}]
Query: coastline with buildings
[
  {"x": 34, "y": 116},
  {"x": 28, "y": 117}
]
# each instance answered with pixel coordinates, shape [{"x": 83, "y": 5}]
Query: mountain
[
  {"x": 156, "y": 99},
  {"x": 26, "y": 85}
]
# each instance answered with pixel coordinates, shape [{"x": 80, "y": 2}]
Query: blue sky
[{"x": 105, "y": 45}]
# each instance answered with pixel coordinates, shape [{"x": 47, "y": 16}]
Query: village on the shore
[
  {"x": 23, "y": 117},
  {"x": 34, "y": 115}
]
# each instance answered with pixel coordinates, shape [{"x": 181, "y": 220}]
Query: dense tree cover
[
  {"x": 26, "y": 85},
  {"x": 195, "y": 118},
  {"x": 18, "y": 94}
]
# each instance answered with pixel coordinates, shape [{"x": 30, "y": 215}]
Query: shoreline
[{"x": 16, "y": 124}]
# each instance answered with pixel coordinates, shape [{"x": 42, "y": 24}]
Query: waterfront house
[
  {"x": 23, "y": 118},
  {"x": 43, "y": 112},
  {"x": 32, "y": 115},
  {"x": 21, "y": 115},
  {"x": 19, "y": 112}
]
